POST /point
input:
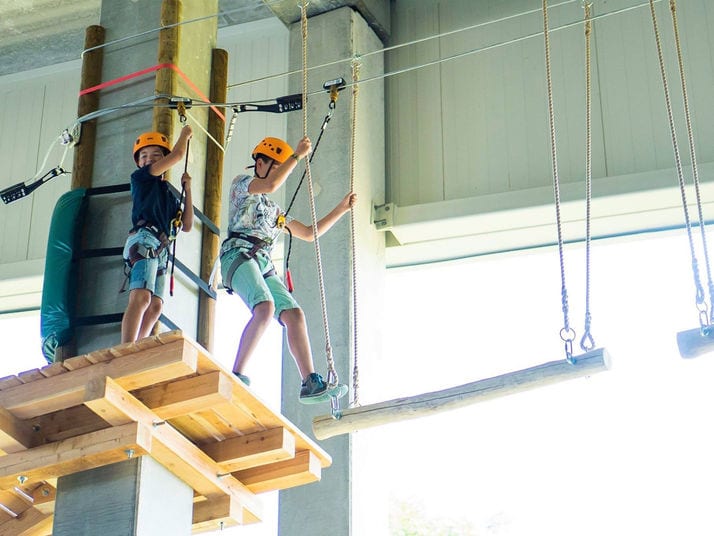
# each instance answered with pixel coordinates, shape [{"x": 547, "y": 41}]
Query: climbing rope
[
  {"x": 332, "y": 378},
  {"x": 353, "y": 234},
  {"x": 700, "y": 299},
  {"x": 177, "y": 222},
  {"x": 566, "y": 333},
  {"x": 692, "y": 154},
  {"x": 587, "y": 342}
]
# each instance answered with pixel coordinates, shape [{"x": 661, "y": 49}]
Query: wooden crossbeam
[
  {"x": 251, "y": 450},
  {"x": 15, "y": 435},
  {"x": 146, "y": 367},
  {"x": 216, "y": 514},
  {"x": 168, "y": 447},
  {"x": 31, "y": 522},
  {"x": 73, "y": 455},
  {"x": 182, "y": 397},
  {"x": 304, "y": 468},
  {"x": 412, "y": 407}
]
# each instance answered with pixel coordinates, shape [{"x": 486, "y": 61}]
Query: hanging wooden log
[
  {"x": 412, "y": 407},
  {"x": 692, "y": 343}
]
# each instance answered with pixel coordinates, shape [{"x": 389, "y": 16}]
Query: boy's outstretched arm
[
  {"x": 187, "y": 216},
  {"x": 177, "y": 154},
  {"x": 304, "y": 232}
]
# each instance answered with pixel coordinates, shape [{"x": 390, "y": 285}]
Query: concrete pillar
[
  {"x": 138, "y": 497},
  {"x": 108, "y": 220},
  {"x": 325, "y": 508}
]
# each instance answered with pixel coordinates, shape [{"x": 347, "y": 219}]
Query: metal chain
[
  {"x": 566, "y": 333},
  {"x": 332, "y": 378},
  {"x": 353, "y": 234},
  {"x": 693, "y": 156},
  {"x": 701, "y": 305},
  {"x": 587, "y": 342}
]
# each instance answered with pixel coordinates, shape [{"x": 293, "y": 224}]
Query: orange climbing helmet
[
  {"x": 274, "y": 148},
  {"x": 151, "y": 138}
]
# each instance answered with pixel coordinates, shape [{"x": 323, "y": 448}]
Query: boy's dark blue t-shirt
[{"x": 153, "y": 201}]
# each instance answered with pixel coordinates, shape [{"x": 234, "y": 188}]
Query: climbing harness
[
  {"x": 258, "y": 245},
  {"x": 567, "y": 334},
  {"x": 334, "y": 87}
]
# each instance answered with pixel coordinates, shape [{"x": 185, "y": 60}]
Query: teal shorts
[{"x": 248, "y": 282}]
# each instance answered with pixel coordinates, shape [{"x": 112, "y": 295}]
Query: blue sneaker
[
  {"x": 315, "y": 390},
  {"x": 242, "y": 377}
]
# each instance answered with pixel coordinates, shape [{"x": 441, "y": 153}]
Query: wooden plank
[
  {"x": 59, "y": 425},
  {"x": 304, "y": 468},
  {"x": 412, "y": 407},
  {"x": 32, "y": 522},
  {"x": 182, "y": 397},
  {"x": 217, "y": 513},
  {"x": 147, "y": 367},
  {"x": 168, "y": 446},
  {"x": 252, "y": 450},
  {"x": 73, "y": 455},
  {"x": 15, "y": 435}
]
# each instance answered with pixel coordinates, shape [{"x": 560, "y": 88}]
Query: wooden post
[
  {"x": 168, "y": 53},
  {"x": 83, "y": 166},
  {"x": 212, "y": 195},
  {"x": 401, "y": 409}
]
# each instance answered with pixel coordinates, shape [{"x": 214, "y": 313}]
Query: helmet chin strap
[{"x": 267, "y": 172}]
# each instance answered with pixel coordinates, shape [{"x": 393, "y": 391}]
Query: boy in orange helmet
[
  {"x": 154, "y": 206},
  {"x": 248, "y": 270}
]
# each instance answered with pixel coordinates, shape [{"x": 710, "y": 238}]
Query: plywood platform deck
[{"x": 164, "y": 397}]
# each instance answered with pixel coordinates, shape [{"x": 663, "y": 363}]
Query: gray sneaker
[
  {"x": 315, "y": 390},
  {"x": 242, "y": 377}
]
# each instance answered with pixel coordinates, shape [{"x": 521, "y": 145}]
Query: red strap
[{"x": 142, "y": 72}]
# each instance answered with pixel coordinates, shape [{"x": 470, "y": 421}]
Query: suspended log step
[
  {"x": 412, "y": 407},
  {"x": 695, "y": 342}
]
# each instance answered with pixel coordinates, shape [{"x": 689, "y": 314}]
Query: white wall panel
[
  {"x": 36, "y": 108},
  {"x": 493, "y": 115}
]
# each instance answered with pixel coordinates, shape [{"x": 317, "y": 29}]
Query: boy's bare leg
[
  {"x": 139, "y": 301},
  {"x": 151, "y": 316},
  {"x": 252, "y": 333},
  {"x": 298, "y": 340}
]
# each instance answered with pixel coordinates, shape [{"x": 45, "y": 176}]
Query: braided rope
[
  {"x": 587, "y": 342},
  {"x": 680, "y": 175},
  {"x": 355, "y": 338},
  {"x": 566, "y": 333},
  {"x": 692, "y": 150},
  {"x": 331, "y": 372}
]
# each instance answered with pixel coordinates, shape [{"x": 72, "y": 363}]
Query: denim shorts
[
  {"x": 248, "y": 282},
  {"x": 150, "y": 272}
]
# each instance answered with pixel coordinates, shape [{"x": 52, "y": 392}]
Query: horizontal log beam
[{"x": 412, "y": 407}]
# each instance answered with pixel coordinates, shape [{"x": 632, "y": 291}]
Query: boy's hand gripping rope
[{"x": 177, "y": 222}]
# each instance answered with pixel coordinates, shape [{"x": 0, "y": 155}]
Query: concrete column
[
  {"x": 138, "y": 497},
  {"x": 108, "y": 220},
  {"x": 325, "y": 508}
]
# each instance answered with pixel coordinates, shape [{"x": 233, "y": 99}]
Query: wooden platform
[{"x": 164, "y": 397}]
